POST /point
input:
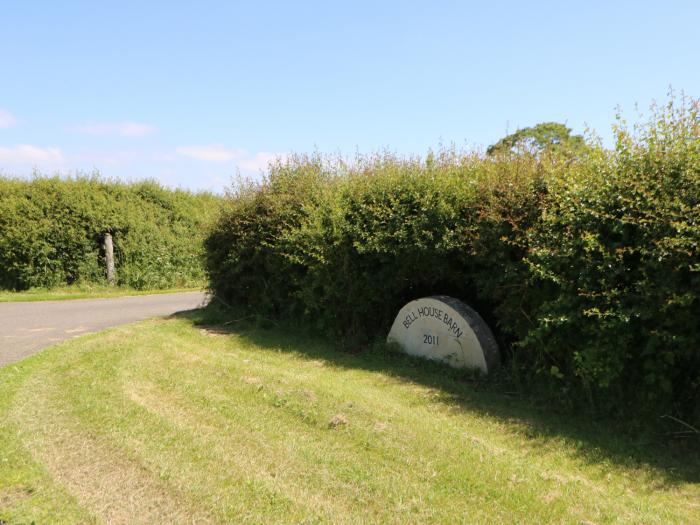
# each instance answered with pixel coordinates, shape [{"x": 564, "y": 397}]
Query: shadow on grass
[{"x": 594, "y": 440}]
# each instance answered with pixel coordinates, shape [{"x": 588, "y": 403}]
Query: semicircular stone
[{"x": 445, "y": 329}]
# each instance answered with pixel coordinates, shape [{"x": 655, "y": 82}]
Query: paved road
[{"x": 26, "y": 328}]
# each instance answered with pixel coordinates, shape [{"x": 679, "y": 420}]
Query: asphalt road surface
[{"x": 26, "y": 328}]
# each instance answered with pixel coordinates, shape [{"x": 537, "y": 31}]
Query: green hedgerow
[
  {"x": 51, "y": 231},
  {"x": 585, "y": 264}
]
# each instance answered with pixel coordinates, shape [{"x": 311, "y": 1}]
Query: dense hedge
[
  {"x": 587, "y": 267},
  {"x": 344, "y": 248},
  {"x": 51, "y": 231}
]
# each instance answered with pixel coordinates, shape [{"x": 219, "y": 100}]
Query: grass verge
[
  {"x": 80, "y": 292},
  {"x": 181, "y": 421}
]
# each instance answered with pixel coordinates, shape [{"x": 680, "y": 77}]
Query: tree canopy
[{"x": 546, "y": 136}]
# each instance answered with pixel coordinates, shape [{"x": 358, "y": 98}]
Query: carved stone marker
[{"x": 445, "y": 329}]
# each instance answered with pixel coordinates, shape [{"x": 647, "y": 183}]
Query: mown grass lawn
[
  {"x": 65, "y": 293},
  {"x": 170, "y": 421}
]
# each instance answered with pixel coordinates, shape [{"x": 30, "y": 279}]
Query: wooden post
[{"x": 109, "y": 258}]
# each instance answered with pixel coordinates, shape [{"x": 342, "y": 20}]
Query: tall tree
[{"x": 546, "y": 136}]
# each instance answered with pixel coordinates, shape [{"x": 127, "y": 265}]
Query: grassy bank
[
  {"x": 65, "y": 293},
  {"x": 175, "y": 421}
]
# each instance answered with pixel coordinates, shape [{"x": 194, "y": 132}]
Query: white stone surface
[{"x": 445, "y": 329}]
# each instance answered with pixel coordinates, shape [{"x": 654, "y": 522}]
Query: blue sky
[{"x": 190, "y": 92}]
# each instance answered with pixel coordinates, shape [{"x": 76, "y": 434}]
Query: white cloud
[
  {"x": 238, "y": 157},
  {"x": 212, "y": 153},
  {"x": 28, "y": 154},
  {"x": 6, "y": 119},
  {"x": 124, "y": 129}
]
